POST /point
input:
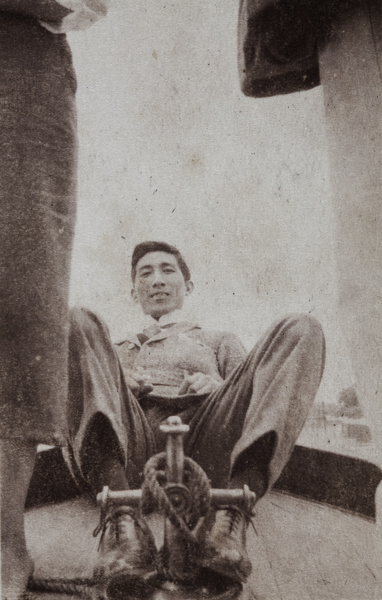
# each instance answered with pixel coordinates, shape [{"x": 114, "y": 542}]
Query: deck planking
[{"x": 300, "y": 551}]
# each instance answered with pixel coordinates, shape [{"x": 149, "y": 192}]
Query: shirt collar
[
  {"x": 171, "y": 318},
  {"x": 175, "y": 317}
]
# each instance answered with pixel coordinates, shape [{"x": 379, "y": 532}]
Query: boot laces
[
  {"x": 234, "y": 516},
  {"x": 115, "y": 519},
  {"x": 232, "y": 519}
]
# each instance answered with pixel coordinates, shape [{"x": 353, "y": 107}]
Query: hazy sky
[{"x": 170, "y": 149}]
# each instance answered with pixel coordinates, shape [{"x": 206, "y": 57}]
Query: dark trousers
[
  {"x": 38, "y": 173},
  {"x": 269, "y": 393}
]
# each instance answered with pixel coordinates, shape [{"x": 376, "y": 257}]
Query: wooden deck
[{"x": 301, "y": 550}]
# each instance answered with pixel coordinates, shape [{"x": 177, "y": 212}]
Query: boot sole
[{"x": 129, "y": 587}]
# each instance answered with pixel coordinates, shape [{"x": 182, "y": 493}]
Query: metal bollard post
[
  {"x": 176, "y": 549},
  {"x": 175, "y": 546},
  {"x": 175, "y": 431}
]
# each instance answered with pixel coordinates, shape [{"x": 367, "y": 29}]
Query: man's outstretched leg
[
  {"x": 127, "y": 550},
  {"x": 102, "y": 415},
  {"x": 245, "y": 432}
]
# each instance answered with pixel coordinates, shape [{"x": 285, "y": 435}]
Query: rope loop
[{"x": 154, "y": 496}]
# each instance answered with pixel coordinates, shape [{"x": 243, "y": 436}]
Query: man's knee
[
  {"x": 86, "y": 321},
  {"x": 80, "y": 317},
  {"x": 307, "y": 333},
  {"x": 302, "y": 326}
]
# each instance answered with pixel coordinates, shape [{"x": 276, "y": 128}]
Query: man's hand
[
  {"x": 137, "y": 382},
  {"x": 198, "y": 383}
]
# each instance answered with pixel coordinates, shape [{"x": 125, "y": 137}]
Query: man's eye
[{"x": 169, "y": 270}]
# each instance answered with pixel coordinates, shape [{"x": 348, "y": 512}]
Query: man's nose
[{"x": 157, "y": 279}]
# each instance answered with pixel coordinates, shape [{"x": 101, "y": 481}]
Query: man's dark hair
[{"x": 145, "y": 247}]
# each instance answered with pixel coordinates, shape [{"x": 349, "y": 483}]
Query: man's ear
[
  {"x": 189, "y": 287},
  {"x": 134, "y": 295}
]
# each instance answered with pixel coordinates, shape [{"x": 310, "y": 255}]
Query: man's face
[{"x": 159, "y": 285}]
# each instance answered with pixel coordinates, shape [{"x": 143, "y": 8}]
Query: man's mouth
[{"x": 160, "y": 295}]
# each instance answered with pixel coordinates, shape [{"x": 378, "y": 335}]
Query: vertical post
[
  {"x": 175, "y": 547},
  {"x": 175, "y": 431}
]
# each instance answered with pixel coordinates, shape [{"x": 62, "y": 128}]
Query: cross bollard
[
  {"x": 237, "y": 497},
  {"x": 176, "y": 553}
]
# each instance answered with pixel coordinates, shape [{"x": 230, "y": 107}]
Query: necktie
[
  {"x": 142, "y": 338},
  {"x": 150, "y": 331}
]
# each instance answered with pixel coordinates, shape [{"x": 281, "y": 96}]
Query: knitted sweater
[{"x": 183, "y": 348}]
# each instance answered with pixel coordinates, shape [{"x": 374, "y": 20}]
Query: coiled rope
[
  {"x": 188, "y": 523},
  {"x": 83, "y": 587},
  {"x": 154, "y": 498}
]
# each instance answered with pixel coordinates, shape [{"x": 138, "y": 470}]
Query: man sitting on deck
[{"x": 245, "y": 411}]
